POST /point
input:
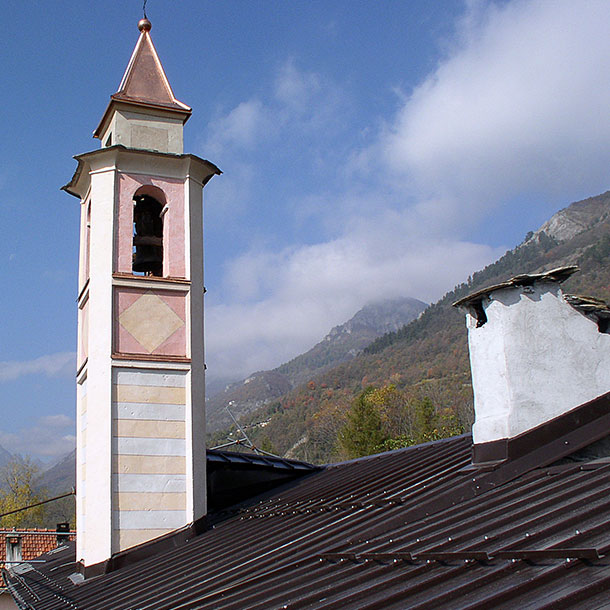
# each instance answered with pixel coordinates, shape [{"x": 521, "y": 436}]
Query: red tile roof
[{"x": 34, "y": 542}]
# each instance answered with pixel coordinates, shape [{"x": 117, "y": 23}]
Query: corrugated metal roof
[
  {"x": 396, "y": 530},
  {"x": 255, "y": 459}
]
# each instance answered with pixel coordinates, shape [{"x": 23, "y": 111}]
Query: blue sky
[{"x": 370, "y": 149}]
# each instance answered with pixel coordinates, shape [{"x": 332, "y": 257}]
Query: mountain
[
  {"x": 55, "y": 481},
  {"x": 430, "y": 354},
  {"x": 61, "y": 477},
  {"x": 5, "y": 457},
  {"x": 342, "y": 343}
]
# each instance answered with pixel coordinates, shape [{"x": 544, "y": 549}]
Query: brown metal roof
[
  {"x": 413, "y": 528},
  {"x": 145, "y": 80}
]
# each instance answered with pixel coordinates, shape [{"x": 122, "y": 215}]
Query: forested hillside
[
  {"x": 422, "y": 371},
  {"x": 342, "y": 343}
]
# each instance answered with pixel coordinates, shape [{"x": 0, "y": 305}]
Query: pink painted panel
[
  {"x": 126, "y": 297},
  {"x": 174, "y": 345},
  {"x": 174, "y": 232},
  {"x": 174, "y": 264},
  {"x": 176, "y": 302},
  {"x": 126, "y": 343}
]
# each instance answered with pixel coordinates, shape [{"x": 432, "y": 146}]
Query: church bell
[{"x": 148, "y": 236}]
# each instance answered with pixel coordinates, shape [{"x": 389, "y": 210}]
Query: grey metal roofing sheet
[
  {"x": 271, "y": 461},
  {"x": 361, "y": 535}
]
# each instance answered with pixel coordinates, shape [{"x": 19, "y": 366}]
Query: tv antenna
[{"x": 243, "y": 440}]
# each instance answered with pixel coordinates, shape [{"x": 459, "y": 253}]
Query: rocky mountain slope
[
  {"x": 342, "y": 343},
  {"x": 61, "y": 477},
  {"x": 430, "y": 354},
  {"x": 5, "y": 456}
]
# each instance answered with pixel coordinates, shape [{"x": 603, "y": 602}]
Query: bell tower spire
[
  {"x": 144, "y": 93},
  {"x": 141, "y": 467}
]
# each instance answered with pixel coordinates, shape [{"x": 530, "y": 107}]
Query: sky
[{"x": 369, "y": 149}]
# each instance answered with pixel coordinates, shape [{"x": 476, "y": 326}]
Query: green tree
[
  {"x": 432, "y": 424},
  {"x": 268, "y": 446},
  {"x": 424, "y": 420},
  {"x": 363, "y": 432},
  {"x": 17, "y": 480}
]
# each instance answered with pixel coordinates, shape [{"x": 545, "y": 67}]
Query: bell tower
[{"x": 141, "y": 467}]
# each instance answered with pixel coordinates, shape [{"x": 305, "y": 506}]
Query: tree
[
  {"x": 424, "y": 420},
  {"x": 18, "y": 491},
  {"x": 393, "y": 407},
  {"x": 363, "y": 432}
]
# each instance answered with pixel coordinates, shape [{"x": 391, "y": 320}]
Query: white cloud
[
  {"x": 60, "y": 364},
  {"x": 294, "y": 88},
  {"x": 297, "y": 103},
  {"x": 516, "y": 108},
  {"x": 288, "y": 300},
  {"x": 519, "y": 105},
  {"x": 51, "y": 436},
  {"x": 241, "y": 128},
  {"x": 56, "y": 421}
]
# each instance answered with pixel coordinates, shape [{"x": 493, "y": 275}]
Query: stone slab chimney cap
[
  {"x": 560, "y": 274},
  {"x": 595, "y": 309}
]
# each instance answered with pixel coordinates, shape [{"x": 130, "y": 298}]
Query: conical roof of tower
[{"x": 144, "y": 82}]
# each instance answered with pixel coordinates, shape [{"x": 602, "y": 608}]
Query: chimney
[
  {"x": 13, "y": 548},
  {"x": 63, "y": 533},
  {"x": 535, "y": 353}
]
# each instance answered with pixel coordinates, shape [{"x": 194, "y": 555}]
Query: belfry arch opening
[{"x": 148, "y": 209}]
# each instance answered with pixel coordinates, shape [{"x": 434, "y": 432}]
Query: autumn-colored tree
[
  {"x": 396, "y": 416},
  {"x": 324, "y": 431},
  {"x": 17, "y": 480}
]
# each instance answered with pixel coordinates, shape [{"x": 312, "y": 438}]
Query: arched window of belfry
[{"x": 148, "y": 232}]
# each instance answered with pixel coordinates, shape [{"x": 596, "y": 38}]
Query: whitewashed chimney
[{"x": 535, "y": 353}]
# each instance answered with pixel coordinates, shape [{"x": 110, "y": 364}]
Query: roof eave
[{"x": 71, "y": 187}]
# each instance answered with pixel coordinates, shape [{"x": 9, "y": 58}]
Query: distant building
[{"x": 23, "y": 545}]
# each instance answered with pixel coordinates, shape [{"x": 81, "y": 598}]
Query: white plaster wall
[
  {"x": 195, "y": 421},
  {"x": 145, "y": 131},
  {"x": 97, "y": 491},
  {"x": 534, "y": 359},
  {"x": 489, "y": 376},
  {"x": 81, "y": 433},
  {"x": 95, "y": 544}
]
